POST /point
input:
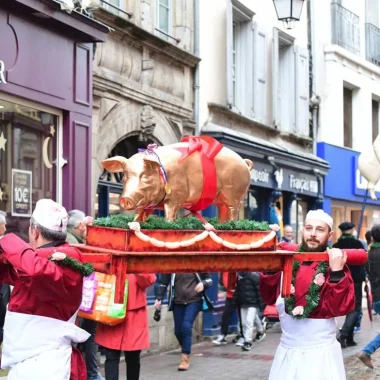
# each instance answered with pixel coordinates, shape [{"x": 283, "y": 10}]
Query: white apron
[
  {"x": 39, "y": 348},
  {"x": 308, "y": 349}
]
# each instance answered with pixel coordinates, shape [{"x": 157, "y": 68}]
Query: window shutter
[
  {"x": 229, "y": 53},
  {"x": 260, "y": 74},
  {"x": 276, "y": 101},
  {"x": 302, "y": 91}
]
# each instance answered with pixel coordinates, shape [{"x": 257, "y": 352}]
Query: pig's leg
[
  {"x": 223, "y": 212},
  {"x": 171, "y": 211},
  {"x": 142, "y": 215}
]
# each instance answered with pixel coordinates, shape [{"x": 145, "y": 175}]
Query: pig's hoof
[{"x": 373, "y": 195}]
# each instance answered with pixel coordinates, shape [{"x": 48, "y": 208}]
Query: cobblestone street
[{"x": 230, "y": 362}]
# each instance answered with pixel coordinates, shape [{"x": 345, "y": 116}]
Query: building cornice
[
  {"x": 103, "y": 86},
  {"x": 335, "y": 53},
  {"x": 125, "y": 28}
]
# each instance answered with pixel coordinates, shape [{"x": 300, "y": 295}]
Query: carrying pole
[{"x": 362, "y": 213}]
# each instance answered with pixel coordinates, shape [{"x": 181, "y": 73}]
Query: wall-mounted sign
[
  {"x": 285, "y": 179},
  {"x": 21, "y": 193},
  {"x": 360, "y": 183},
  {"x": 303, "y": 184},
  {"x": 2, "y": 72},
  {"x": 262, "y": 175}
]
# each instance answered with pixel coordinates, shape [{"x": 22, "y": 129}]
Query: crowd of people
[{"x": 41, "y": 293}]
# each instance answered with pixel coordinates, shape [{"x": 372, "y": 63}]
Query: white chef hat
[
  {"x": 319, "y": 215},
  {"x": 50, "y": 215}
]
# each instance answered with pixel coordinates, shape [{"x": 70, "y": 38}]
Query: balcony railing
[
  {"x": 345, "y": 28},
  {"x": 372, "y": 41}
]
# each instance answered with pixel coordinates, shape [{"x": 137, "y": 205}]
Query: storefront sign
[
  {"x": 302, "y": 184},
  {"x": 262, "y": 175},
  {"x": 21, "y": 193},
  {"x": 2, "y": 72},
  {"x": 360, "y": 183}
]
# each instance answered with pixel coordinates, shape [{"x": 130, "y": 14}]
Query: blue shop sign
[{"x": 344, "y": 180}]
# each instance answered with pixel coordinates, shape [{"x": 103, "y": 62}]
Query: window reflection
[{"x": 28, "y": 143}]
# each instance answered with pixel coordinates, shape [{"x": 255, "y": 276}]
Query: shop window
[
  {"x": 375, "y": 119},
  {"x": 28, "y": 142},
  {"x": 347, "y": 112},
  {"x": 298, "y": 213},
  {"x": 249, "y": 209}
]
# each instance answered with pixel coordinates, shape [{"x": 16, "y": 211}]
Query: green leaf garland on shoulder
[
  {"x": 313, "y": 294},
  {"x": 85, "y": 269}
]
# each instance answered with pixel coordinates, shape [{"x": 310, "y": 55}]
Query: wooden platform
[{"x": 121, "y": 262}]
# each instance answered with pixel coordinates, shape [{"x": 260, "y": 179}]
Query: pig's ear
[
  {"x": 115, "y": 164},
  {"x": 151, "y": 161}
]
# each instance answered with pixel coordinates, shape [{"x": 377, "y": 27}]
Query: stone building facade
[{"x": 143, "y": 93}]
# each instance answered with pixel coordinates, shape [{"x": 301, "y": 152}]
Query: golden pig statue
[{"x": 192, "y": 174}]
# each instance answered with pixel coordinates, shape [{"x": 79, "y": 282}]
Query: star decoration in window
[
  {"x": 3, "y": 141},
  {"x": 52, "y": 130},
  {"x": 1, "y": 194}
]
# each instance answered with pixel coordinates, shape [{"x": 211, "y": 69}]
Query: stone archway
[{"x": 119, "y": 120}]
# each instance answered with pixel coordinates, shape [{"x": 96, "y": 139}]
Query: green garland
[
  {"x": 84, "y": 269},
  {"x": 188, "y": 223},
  {"x": 313, "y": 294}
]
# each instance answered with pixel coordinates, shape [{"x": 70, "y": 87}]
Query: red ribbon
[{"x": 208, "y": 148}]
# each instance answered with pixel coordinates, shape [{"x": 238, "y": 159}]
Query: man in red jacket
[
  {"x": 39, "y": 325},
  {"x": 320, "y": 292}
]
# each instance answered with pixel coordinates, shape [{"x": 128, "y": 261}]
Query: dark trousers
[
  {"x": 229, "y": 309},
  {"x": 90, "y": 348},
  {"x": 132, "y": 360},
  {"x": 184, "y": 318},
  {"x": 347, "y": 331}
]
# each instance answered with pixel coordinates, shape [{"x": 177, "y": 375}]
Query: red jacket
[
  {"x": 42, "y": 287},
  {"x": 231, "y": 288},
  {"x": 133, "y": 333}
]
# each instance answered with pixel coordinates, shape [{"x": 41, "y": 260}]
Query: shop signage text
[
  {"x": 21, "y": 193},
  {"x": 284, "y": 179},
  {"x": 2, "y": 72},
  {"x": 259, "y": 176},
  {"x": 303, "y": 185},
  {"x": 359, "y": 182}
]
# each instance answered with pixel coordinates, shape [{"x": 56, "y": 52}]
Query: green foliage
[
  {"x": 313, "y": 294},
  {"x": 85, "y": 269},
  {"x": 188, "y": 223}
]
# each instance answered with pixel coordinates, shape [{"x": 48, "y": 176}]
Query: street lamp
[{"x": 288, "y": 11}]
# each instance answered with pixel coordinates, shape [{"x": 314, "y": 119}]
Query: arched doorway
[{"x": 110, "y": 184}]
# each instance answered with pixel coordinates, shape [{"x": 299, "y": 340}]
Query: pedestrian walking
[
  {"x": 230, "y": 308},
  {"x": 247, "y": 297},
  {"x": 132, "y": 335},
  {"x": 374, "y": 278},
  {"x": 185, "y": 299},
  {"x": 39, "y": 326},
  {"x": 76, "y": 234},
  {"x": 349, "y": 241},
  {"x": 308, "y": 348}
]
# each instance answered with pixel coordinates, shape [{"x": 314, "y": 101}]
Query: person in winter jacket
[
  {"x": 229, "y": 308},
  {"x": 348, "y": 241},
  {"x": 132, "y": 335},
  {"x": 247, "y": 296},
  {"x": 185, "y": 300}
]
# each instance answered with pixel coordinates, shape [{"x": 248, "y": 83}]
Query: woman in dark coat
[{"x": 186, "y": 291}]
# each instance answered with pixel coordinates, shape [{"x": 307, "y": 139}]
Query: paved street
[{"x": 230, "y": 362}]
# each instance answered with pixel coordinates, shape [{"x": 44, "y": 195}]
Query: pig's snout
[{"x": 127, "y": 203}]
